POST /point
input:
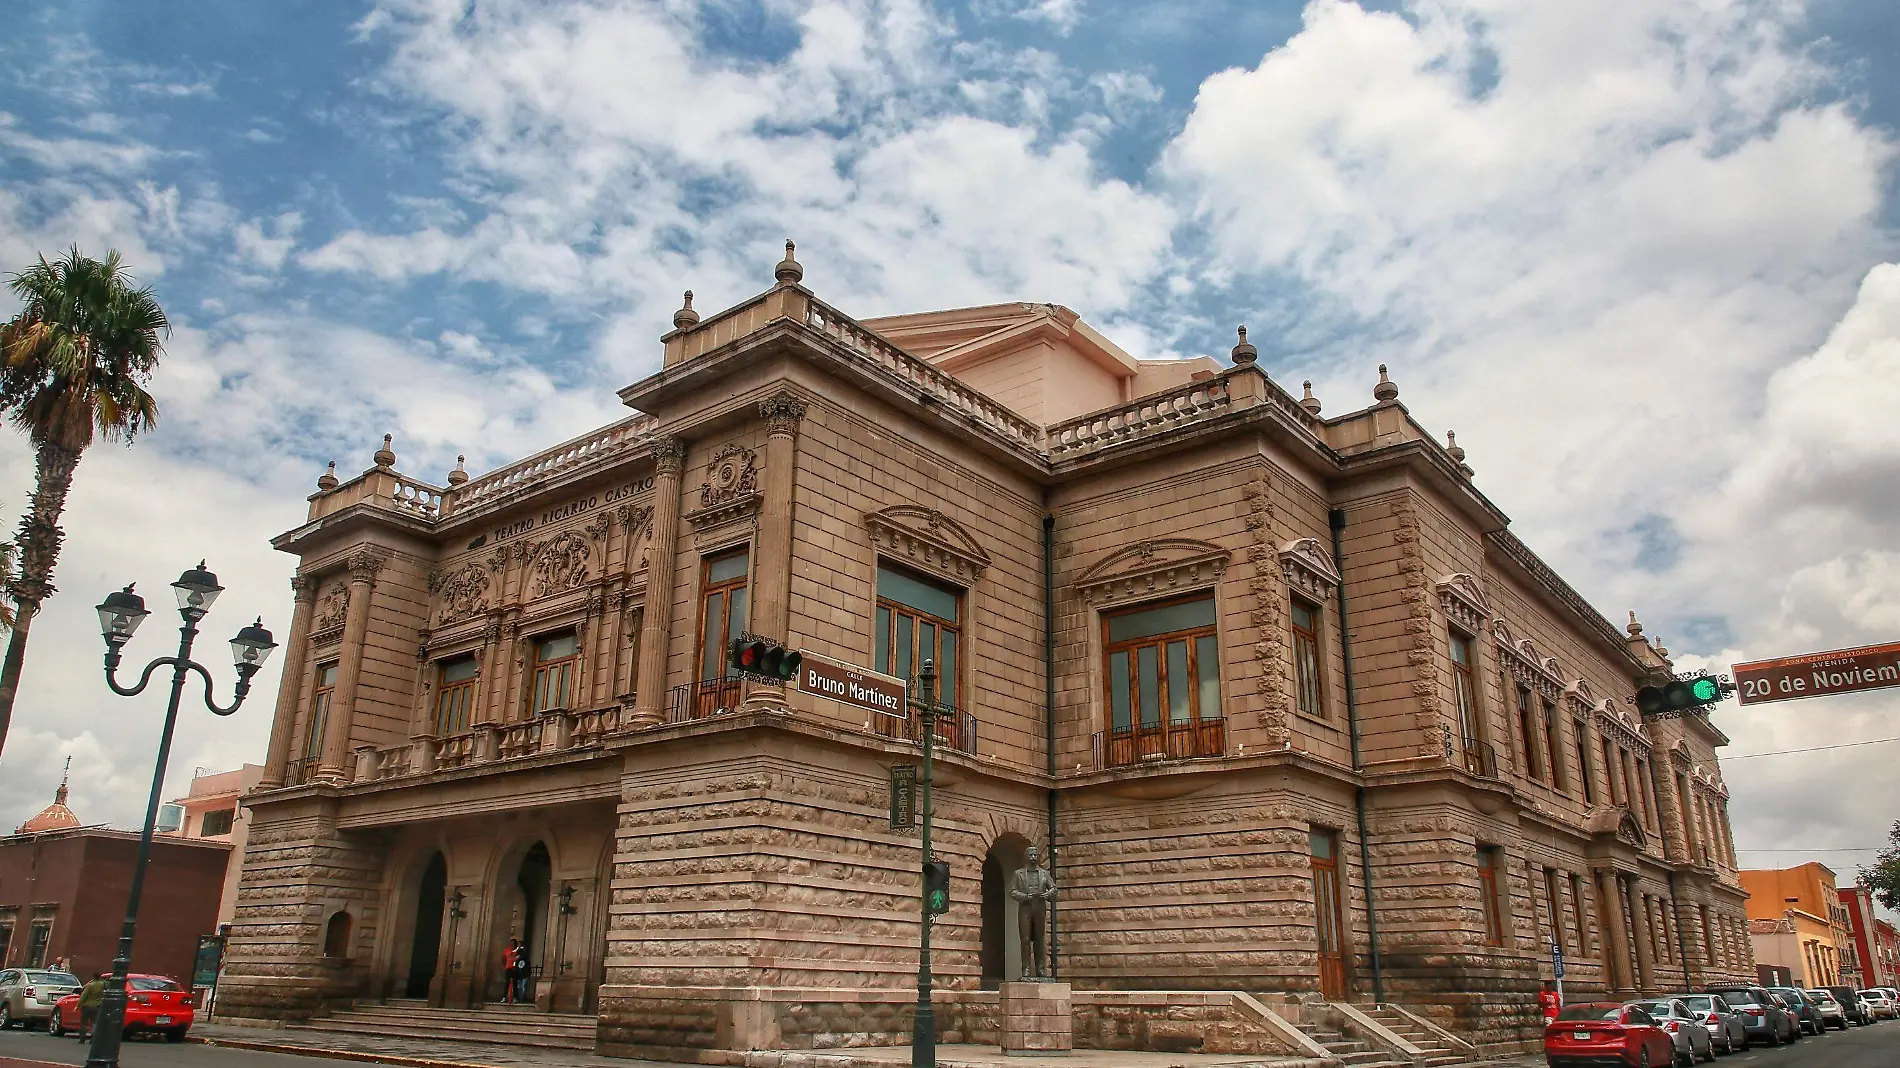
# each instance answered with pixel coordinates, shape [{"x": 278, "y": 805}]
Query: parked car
[
  {"x": 1879, "y": 1005},
  {"x": 1833, "y": 1013},
  {"x": 1763, "y": 1018},
  {"x": 154, "y": 1005},
  {"x": 1804, "y": 1007},
  {"x": 1600, "y": 1033},
  {"x": 1849, "y": 1000},
  {"x": 1691, "y": 1039},
  {"x": 1726, "y": 1030},
  {"x": 27, "y": 995}
]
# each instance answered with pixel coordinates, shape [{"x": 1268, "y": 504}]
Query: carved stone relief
[
  {"x": 561, "y": 565},
  {"x": 464, "y": 593},
  {"x": 333, "y": 609},
  {"x": 732, "y": 472}
]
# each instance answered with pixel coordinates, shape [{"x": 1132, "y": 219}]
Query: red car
[
  {"x": 1607, "y": 1034},
  {"x": 154, "y": 1005}
]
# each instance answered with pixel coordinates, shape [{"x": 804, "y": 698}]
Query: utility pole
[{"x": 923, "y": 1039}]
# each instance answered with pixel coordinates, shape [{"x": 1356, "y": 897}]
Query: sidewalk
[{"x": 430, "y": 1053}]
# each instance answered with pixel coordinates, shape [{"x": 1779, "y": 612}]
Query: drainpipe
[
  {"x": 1337, "y": 519},
  {"x": 1049, "y": 713}
]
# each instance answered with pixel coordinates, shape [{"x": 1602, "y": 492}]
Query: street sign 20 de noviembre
[{"x": 1790, "y": 678}]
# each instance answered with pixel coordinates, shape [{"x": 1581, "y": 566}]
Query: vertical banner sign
[
  {"x": 1790, "y": 678},
  {"x": 903, "y": 797}
]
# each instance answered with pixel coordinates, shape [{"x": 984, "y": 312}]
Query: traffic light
[
  {"x": 759, "y": 657},
  {"x": 1679, "y": 695},
  {"x": 937, "y": 887}
]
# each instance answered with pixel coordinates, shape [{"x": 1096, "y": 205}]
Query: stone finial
[
  {"x": 385, "y": 457},
  {"x": 1386, "y": 390},
  {"x": 1243, "y": 352},
  {"x": 460, "y": 474},
  {"x": 1635, "y": 628},
  {"x": 1452, "y": 448},
  {"x": 789, "y": 271},
  {"x": 327, "y": 481},
  {"x": 686, "y": 316},
  {"x": 1656, "y": 644},
  {"x": 1309, "y": 402}
]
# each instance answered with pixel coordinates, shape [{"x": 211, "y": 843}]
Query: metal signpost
[
  {"x": 1791, "y": 678},
  {"x": 1557, "y": 968},
  {"x": 923, "y": 1036}
]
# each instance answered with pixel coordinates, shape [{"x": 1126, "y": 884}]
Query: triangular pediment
[
  {"x": 927, "y": 537},
  {"x": 1615, "y": 821},
  {"x": 1307, "y": 566},
  {"x": 1150, "y": 567},
  {"x": 1463, "y": 600}
]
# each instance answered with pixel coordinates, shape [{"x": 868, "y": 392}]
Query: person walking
[
  {"x": 90, "y": 996},
  {"x": 510, "y": 960},
  {"x": 524, "y": 974}
]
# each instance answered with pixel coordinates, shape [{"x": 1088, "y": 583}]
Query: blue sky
[{"x": 1632, "y": 254}]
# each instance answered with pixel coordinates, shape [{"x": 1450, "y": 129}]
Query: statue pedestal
[{"x": 1034, "y": 1018}]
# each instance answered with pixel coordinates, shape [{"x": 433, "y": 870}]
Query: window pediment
[
  {"x": 1309, "y": 567},
  {"x": 1463, "y": 601},
  {"x": 925, "y": 536},
  {"x": 1150, "y": 567}
]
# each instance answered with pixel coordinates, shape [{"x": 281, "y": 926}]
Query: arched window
[{"x": 336, "y": 936}]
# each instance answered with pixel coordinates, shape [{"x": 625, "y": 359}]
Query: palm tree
[{"x": 73, "y": 365}]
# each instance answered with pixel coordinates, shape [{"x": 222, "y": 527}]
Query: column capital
[
  {"x": 303, "y": 588},
  {"x": 669, "y": 456},
  {"x": 782, "y": 412},
  {"x": 364, "y": 564}
]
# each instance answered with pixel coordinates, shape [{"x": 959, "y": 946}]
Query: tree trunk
[{"x": 39, "y": 542}]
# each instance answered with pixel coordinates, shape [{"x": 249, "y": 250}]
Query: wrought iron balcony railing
[
  {"x": 1137, "y": 744},
  {"x": 956, "y": 728},
  {"x": 700, "y": 700}
]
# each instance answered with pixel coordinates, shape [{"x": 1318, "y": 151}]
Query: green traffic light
[{"x": 1705, "y": 689}]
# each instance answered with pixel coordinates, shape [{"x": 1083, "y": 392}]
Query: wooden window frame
[
  {"x": 1527, "y": 733},
  {"x": 1553, "y": 747},
  {"x": 1577, "y": 915},
  {"x": 1191, "y": 636},
  {"x": 1490, "y": 866},
  {"x": 204, "y": 822},
  {"x": 568, "y": 666},
  {"x": 36, "y": 947},
  {"x": 468, "y": 688},
  {"x": 889, "y": 611},
  {"x": 317, "y": 723},
  {"x": 1464, "y": 688},
  {"x": 1553, "y": 912},
  {"x": 724, "y": 588},
  {"x": 1329, "y": 888},
  {"x": 1315, "y": 662},
  {"x": 1582, "y": 730}
]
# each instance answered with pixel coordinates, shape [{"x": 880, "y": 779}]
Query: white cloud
[{"x": 266, "y": 242}]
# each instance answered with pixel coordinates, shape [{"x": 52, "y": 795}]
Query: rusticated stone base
[{"x": 1036, "y": 1018}]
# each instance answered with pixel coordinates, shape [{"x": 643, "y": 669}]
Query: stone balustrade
[
  {"x": 588, "y": 450},
  {"x": 1144, "y": 417},
  {"x": 941, "y": 385},
  {"x": 417, "y": 498}
]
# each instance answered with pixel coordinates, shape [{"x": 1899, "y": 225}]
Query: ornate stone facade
[{"x": 505, "y": 711}]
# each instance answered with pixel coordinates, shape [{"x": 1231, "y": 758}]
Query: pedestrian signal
[
  {"x": 1680, "y": 695},
  {"x": 756, "y": 656},
  {"x": 936, "y": 887}
]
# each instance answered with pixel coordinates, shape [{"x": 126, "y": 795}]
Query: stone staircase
[
  {"x": 511, "y": 1025},
  {"x": 1438, "y": 1052},
  {"x": 1351, "y": 1052}
]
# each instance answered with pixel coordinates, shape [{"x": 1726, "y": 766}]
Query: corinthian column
[
  {"x": 290, "y": 684},
  {"x": 669, "y": 455},
  {"x": 772, "y": 571},
  {"x": 337, "y": 760}
]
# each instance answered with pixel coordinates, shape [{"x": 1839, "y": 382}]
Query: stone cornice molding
[
  {"x": 1521, "y": 659},
  {"x": 782, "y": 412},
  {"x": 1622, "y": 724},
  {"x": 1308, "y": 567},
  {"x": 1151, "y": 567},
  {"x": 1463, "y": 601},
  {"x": 711, "y": 522},
  {"x": 912, "y": 532}
]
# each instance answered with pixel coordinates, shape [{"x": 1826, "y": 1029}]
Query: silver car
[
  {"x": 1725, "y": 1028},
  {"x": 27, "y": 994},
  {"x": 1879, "y": 1005},
  {"x": 1693, "y": 1045},
  {"x": 1833, "y": 1013}
]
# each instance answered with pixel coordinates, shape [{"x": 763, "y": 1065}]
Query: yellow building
[{"x": 1796, "y": 920}]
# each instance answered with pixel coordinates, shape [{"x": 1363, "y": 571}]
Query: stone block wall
[{"x": 299, "y": 870}]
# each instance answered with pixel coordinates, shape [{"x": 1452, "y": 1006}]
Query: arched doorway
[
  {"x": 1002, "y": 860},
  {"x": 521, "y": 913},
  {"x": 426, "y": 943},
  {"x": 537, "y": 871}
]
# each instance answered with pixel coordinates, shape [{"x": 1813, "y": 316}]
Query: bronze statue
[{"x": 1034, "y": 891}]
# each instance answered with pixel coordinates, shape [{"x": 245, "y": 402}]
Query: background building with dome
[
  {"x": 1300, "y": 717},
  {"x": 63, "y": 889}
]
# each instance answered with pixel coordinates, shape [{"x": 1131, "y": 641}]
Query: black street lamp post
[
  {"x": 923, "y": 1035},
  {"x": 119, "y": 616}
]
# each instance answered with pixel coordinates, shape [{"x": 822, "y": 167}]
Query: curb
[{"x": 332, "y": 1054}]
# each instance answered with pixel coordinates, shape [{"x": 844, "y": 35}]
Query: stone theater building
[{"x": 1298, "y": 715}]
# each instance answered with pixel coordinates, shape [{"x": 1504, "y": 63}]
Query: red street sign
[{"x": 1819, "y": 674}]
